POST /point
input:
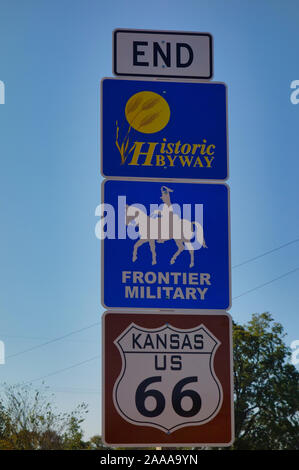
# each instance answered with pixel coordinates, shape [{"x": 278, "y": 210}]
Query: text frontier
[{"x": 162, "y": 223}]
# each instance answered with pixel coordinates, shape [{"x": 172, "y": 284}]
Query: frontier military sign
[
  {"x": 165, "y": 383},
  {"x": 165, "y": 245},
  {"x": 159, "y": 129},
  {"x": 162, "y": 54}
]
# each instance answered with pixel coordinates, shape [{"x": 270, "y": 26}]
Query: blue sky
[{"x": 53, "y": 55}]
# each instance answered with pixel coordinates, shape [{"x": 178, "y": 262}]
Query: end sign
[{"x": 162, "y": 54}]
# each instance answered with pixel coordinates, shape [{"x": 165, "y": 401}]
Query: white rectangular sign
[{"x": 162, "y": 54}]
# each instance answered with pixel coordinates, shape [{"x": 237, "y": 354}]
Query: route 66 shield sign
[
  {"x": 176, "y": 385},
  {"x": 167, "y": 386}
]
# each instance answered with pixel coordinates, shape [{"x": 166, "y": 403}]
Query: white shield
[{"x": 167, "y": 379}]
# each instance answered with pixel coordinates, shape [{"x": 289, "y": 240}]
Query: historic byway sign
[{"x": 159, "y": 129}]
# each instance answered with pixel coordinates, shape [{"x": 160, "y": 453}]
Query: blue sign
[
  {"x": 156, "y": 129},
  {"x": 165, "y": 245}
]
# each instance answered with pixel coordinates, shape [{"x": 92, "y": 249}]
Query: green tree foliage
[
  {"x": 95, "y": 443},
  {"x": 266, "y": 387},
  {"x": 28, "y": 421}
]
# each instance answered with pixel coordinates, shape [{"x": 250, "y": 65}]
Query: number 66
[{"x": 176, "y": 398}]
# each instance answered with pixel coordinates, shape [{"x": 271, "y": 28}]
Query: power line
[
  {"x": 266, "y": 283},
  {"x": 94, "y": 324},
  {"x": 63, "y": 370},
  {"x": 35, "y": 338},
  {"x": 91, "y": 391},
  {"x": 98, "y": 356},
  {"x": 53, "y": 340},
  {"x": 265, "y": 253},
  {"x": 236, "y": 297}
]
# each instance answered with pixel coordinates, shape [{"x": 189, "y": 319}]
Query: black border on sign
[
  {"x": 119, "y": 30},
  {"x": 176, "y": 312}
]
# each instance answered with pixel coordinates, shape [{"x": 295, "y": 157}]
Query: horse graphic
[{"x": 162, "y": 225}]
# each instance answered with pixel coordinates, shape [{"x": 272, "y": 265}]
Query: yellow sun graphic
[{"x": 147, "y": 112}]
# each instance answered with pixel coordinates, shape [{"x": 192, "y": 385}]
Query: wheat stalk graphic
[
  {"x": 147, "y": 120},
  {"x": 135, "y": 106}
]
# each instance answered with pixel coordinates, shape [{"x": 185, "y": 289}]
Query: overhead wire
[
  {"x": 266, "y": 283},
  {"x": 53, "y": 340},
  {"x": 97, "y": 323},
  {"x": 265, "y": 253}
]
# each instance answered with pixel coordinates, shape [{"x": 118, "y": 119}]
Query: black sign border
[{"x": 137, "y": 31}]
